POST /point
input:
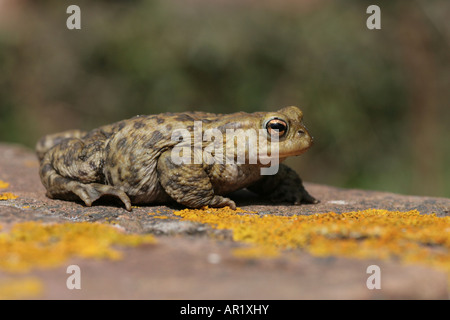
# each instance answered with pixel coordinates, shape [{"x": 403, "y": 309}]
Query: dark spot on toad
[
  {"x": 120, "y": 126},
  {"x": 122, "y": 143},
  {"x": 156, "y": 137},
  {"x": 109, "y": 177},
  {"x": 60, "y": 180},
  {"x": 112, "y": 162},
  {"x": 68, "y": 159},
  {"x": 138, "y": 125},
  {"x": 92, "y": 165},
  {"x": 46, "y": 168},
  {"x": 184, "y": 117},
  {"x": 119, "y": 173},
  {"x": 83, "y": 157},
  {"x": 82, "y": 173},
  {"x": 230, "y": 125}
]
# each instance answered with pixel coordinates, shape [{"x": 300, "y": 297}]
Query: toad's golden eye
[{"x": 276, "y": 124}]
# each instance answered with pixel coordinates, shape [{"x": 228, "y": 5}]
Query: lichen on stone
[
  {"x": 8, "y": 196},
  {"x": 30, "y": 245},
  {"x": 3, "y": 184},
  {"x": 25, "y": 288},
  {"x": 409, "y": 236}
]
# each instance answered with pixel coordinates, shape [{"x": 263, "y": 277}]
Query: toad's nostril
[{"x": 301, "y": 131}]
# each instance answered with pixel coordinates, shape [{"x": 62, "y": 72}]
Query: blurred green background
[{"x": 376, "y": 101}]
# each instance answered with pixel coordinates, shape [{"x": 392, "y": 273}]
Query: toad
[{"x": 135, "y": 161}]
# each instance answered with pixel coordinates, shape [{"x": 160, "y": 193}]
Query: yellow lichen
[
  {"x": 35, "y": 245},
  {"x": 26, "y": 288},
  {"x": 408, "y": 236},
  {"x": 8, "y": 196},
  {"x": 3, "y": 184}
]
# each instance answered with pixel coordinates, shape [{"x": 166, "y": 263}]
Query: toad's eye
[{"x": 276, "y": 124}]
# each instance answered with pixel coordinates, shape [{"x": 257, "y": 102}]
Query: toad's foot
[
  {"x": 220, "y": 202},
  {"x": 285, "y": 186},
  {"x": 294, "y": 196},
  {"x": 94, "y": 191}
]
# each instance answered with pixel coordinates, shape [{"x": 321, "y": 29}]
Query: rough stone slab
[
  {"x": 183, "y": 268},
  {"x": 189, "y": 264}
]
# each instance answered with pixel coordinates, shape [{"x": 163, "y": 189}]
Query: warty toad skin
[{"x": 132, "y": 160}]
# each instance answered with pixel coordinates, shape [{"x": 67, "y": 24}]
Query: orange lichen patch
[
  {"x": 26, "y": 288},
  {"x": 160, "y": 217},
  {"x": 409, "y": 236},
  {"x": 31, "y": 245},
  {"x": 154, "y": 213},
  {"x": 8, "y": 196},
  {"x": 3, "y": 184}
]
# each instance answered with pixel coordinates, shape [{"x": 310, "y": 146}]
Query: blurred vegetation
[{"x": 377, "y": 102}]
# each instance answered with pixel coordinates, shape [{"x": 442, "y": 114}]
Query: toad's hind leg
[
  {"x": 67, "y": 189},
  {"x": 72, "y": 169},
  {"x": 49, "y": 141}
]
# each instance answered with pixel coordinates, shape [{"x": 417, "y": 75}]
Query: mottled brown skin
[{"x": 131, "y": 160}]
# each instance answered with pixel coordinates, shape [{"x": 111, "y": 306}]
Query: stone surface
[{"x": 193, "y": 261}]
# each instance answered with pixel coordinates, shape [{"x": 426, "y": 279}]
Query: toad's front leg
[
  {"x": 188, "y": 184},
  {"x": 284, "y": 186}
]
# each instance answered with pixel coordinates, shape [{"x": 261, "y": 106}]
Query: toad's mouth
[
  {"x": 264, "y": 158},
  {"x": 293, "y": 152}
]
